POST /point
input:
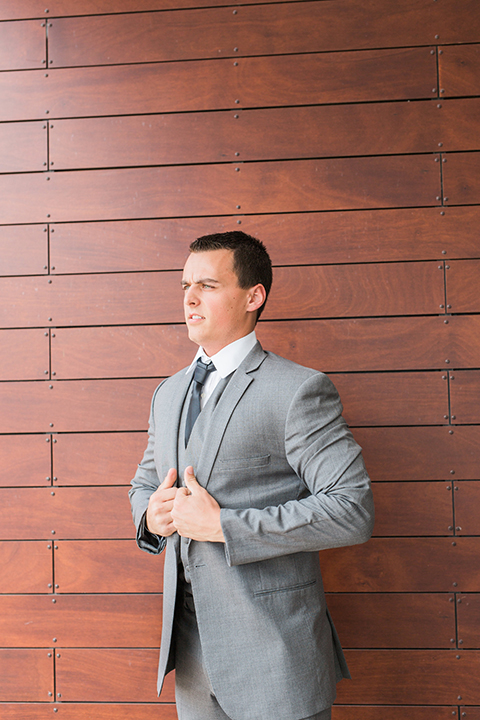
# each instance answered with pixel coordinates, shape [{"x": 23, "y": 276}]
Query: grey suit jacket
[{"x": 290, "y": 480}]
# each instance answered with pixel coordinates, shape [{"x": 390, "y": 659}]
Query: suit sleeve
[
  {"x": 143, "y": 485},
  {"x": 322, "y": 452}
]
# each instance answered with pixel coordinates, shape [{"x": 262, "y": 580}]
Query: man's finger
[
  {"x": 169, "y": 480},
  {"x": 190, "y": 479}
]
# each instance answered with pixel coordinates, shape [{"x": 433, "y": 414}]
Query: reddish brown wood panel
[
  {"x": 472, "y": 713},
  {"x": 111, "y": 711},
  {"x": 414, "y": 398},
  {"x": 26, "y": 460},
  {"x": 426, "y": 676},
  {"x": 27, "y": 675},
  {"x": 213, "y": 85},
  {"x": 85, "y": 675},
  {"x": 106, "y": 566},
  {"x": 461, "y": 172},
  {"x": 421, "y": 620},
  {"x": 311, "y": 238},
  {"x": 463, "y": 281},
  {"x": 23, "y": 146},
  {"x": 97, "y": 459},
  {"x": 26, "y": 711},
  {"x": 302, "y": 185},
  {"x": 415, "y": 509},
  {"x": 35, "y": 513},
  {"x": 433, "y": 453},
  {"x": 107, "y": 620},
  {"x": 24, "y": 301},
  {"x": 321, "y": 131},
  {"x": 27, "y": 620},
  {"x": 459, "y": 70},
  {"x": 464, "y": 393},
  {"x": 404, "y": 565},
  {"x": 468, "y": 618},
  {"x": 32, "y": 260},
  {"x": 103, "y": 405},
  {"x": 356, "y": 290},
  {"x": 326, "y": 345},
  {"x": 462, "y": 348},
  {"x": 467, "y": 502},
  {"x": 22, "y": 45},
  {"x": 26, "y": 567},
  {"x": 24, "y": 354},
  {"x": 390, "y": 712}
]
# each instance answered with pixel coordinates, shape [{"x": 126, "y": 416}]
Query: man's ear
[{"x": 256, "y": 297}]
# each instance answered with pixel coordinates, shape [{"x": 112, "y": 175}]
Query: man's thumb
[
  {"x": 190, "y": 479},
  {"x": 170, "y": 479}
]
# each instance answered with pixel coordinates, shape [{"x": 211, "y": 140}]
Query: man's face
[{"x": 217, "y": 310}]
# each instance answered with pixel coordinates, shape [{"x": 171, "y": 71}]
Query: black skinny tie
[{"x": 199, "y": 377}]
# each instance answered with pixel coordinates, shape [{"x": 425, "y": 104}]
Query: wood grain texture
[
  {"x": 467, "y": 497},
  {"x": 96, "y": 406},
  {"x": 464, "y": 396},
  {"x": 33, "y": 258},
  {"x": 321, "y": 131},
  {"x": 463, "y": 278},
  {"x": 468, "y": 615},
  {"x": 374, "y": 399},
  {"x": 81, "y": 620},
  {"x": 390, "y": 712},
  {"x": 434, "y": 453},
  {"x": 27, "y": 675},
  {"x": 23, "y": 146},
  {"x": 413, "y": 509},
  {"x": 26, "y": 567},
  {"x": 106, "y": 566},
  {"x": 22, "y": 45},
  {"x": 310, "y": 238},
  {"x": 36, "y": 513},
  {"x": 365, "y": 620},
  {"x": 97, "y": 459},
  {"x": 213, "y": 85},
  {"x": 428, "y": 676},
  {"x": 403, "y": 565},
  {"x": 85, "y": 675},
  {"x": 24, "y": 354},
  {"x": 461, "y": 177},
  {"x": 459, "y": 70},
  {"x": 101, "y": 711},
  {"x": 26, "y": 460}
]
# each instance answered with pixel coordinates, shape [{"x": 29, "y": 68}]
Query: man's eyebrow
[{"x": 201, "y": 281}]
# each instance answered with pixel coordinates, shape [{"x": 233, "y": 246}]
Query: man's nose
[{"x": 190, "y": 296}]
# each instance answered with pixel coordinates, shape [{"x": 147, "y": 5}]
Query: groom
[{"x": 249, "y": 471}]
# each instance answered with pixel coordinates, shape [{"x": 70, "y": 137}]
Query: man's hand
[
  {"x": 159, "y": 518},
  {"x": 196, "y": 514}
]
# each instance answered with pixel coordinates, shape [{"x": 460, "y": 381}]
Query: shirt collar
[{"x": 230, "y": 357}]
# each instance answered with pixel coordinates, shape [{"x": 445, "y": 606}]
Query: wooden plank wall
[{"x": 346, "y": 136}]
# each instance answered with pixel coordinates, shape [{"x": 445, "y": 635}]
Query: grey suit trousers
[{"x": 194, "y": 694}]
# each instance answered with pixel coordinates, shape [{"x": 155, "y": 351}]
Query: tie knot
[{"x": 202, "y": 370}]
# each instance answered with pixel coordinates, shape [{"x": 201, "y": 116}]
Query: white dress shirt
[{"x": 226, "y": 361}]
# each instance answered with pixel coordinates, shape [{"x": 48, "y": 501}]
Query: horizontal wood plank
[
  {"x": 27, "y": 675},
  {"x": 403, "y": 565},
  {"x": 24, "y": 354},
  {"x": 467, "y": 498},
  {"x": 106, "y": 566},
  {"x": 461, "y": 178},
  {"x": 26, "y": 460},
  {"x": 463, "y": 278},
  {"x": 101, "y": 711},
  {"x": 310, "y": 238},
  {"x": 373, "y": 399},
  {"x": 83, "y": 675},
  {"x": 32, "y": 260},
  {"x": 95, "y": 406},
  {"x": 459, "y": 70},
  {"x": 22, "y": 45},
  {"x": 413, "y": 508},
  {"x": 434, "y": 453},
  {"x": 464, "y": 390},
  {"x": 23, "y": 146},
  {"x": 428, "y": 676},
  {"x": 254, "y": 82},
  {"x": 97, "y": 458},
  {"x": 421, "y": 620},
  {"x": 468, "y": 618},
  {"x": 26, "y": 567},
  {"x": 390, "y": 712},
  {"x": 36, "y": 513},
  {"x": 80, "y": 620}
]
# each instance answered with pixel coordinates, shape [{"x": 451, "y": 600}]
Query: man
[{"x": 243, "y": 495}]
